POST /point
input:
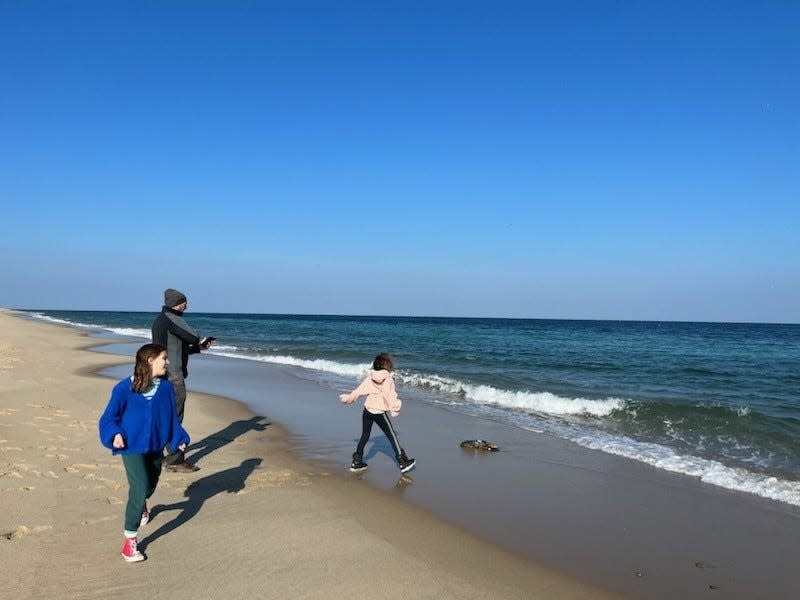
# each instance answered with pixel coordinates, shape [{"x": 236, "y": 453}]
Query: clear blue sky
[{"x": 621, "y": 160}]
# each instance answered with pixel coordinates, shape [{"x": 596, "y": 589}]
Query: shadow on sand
[
  {"x": 225, "y": 436},
  {"x": 379, "y": 446},
  {"x": 230, "y": 480}
]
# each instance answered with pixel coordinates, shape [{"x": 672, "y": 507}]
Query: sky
[{"x": 568, "y": 160}]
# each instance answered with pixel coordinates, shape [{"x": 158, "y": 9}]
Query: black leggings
[{"x": 382, "y": 419}]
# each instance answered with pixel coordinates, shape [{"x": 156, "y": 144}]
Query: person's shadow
[
  {"x": 380, "y": 445},
  {"x": 225, "y": 436},
  {"x": 230, "y": 480}
]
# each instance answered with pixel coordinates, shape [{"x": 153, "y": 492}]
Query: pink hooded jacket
[{"x": 381, "y": 395}]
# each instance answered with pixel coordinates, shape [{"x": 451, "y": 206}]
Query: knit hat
[{"x": 173, "y": 298}]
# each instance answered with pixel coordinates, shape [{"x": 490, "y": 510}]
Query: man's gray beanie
[{"x": 173, "y": 297}]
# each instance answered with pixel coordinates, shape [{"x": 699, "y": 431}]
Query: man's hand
[{"x": 118, "y": 442}]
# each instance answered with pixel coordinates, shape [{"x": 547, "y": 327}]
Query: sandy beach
[{"x": 254, "y": 522}]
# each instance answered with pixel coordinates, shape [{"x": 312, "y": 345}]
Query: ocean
[{"x": 716, "y": 401}]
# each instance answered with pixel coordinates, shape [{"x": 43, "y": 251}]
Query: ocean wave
[
  {"x": 48, "y": 318},
  {"x": 128, "y": 332},
  {"x": 708, "y": 471},
  {"x": 123, "y": 331},
  {"x": 538, "y": 402},
  {"x": 544, "y": 402},
  {"x": 328, "y": 366}
]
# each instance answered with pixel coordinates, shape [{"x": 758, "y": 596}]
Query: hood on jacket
[{"x": 379, "y": 376}]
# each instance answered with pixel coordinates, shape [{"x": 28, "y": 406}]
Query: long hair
[
  {"x": 143, "y": 371},
  {"x": 383, "y": 361}
]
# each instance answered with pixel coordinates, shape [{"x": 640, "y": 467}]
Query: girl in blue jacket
[{"x": 139, "y": 421}]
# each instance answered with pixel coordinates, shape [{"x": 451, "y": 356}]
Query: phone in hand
[{"x": 207, "y": 340}]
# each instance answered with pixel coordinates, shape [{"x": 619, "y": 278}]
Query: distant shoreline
[{"x": 431, "y": 318}]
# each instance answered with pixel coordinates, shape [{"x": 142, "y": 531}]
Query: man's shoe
[
  {"x": 182, "y": 467},
  {"x": 145, "y": 516},
  {"x": 130, "y": 552},
  {"x": 358, "y": 464}
]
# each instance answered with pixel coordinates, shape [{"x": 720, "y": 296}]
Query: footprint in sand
[
  {"x": 109, "y": 483},
  {"x": 24, "y": 530},
  {"x": 99, "y": 520},
  {"x": 284, "y": 477},
  {"x": 17, "y": 533},
  {"x": 49, "y": 407},
  {"x": 76, "y": 468},
  {"x": 37, "y": 473},
  {"x": 57, "y": 456},
  {"x": 7, "y": 358}
]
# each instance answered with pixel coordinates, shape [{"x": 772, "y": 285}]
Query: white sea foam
[
  {"x": 220, "y": 348},
  {"x": 140, "y": 333},
  {"x": 43, "y": 317},
  {"x": 708, "y": 471},
  {"x": 328, "y": 366},
  {"x": 123, "y": 331},
  {"x": 543, "y": 402},
  {"x": 538, "y": 402}
]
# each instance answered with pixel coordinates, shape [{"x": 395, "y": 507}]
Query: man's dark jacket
[{"x": 172, "y": 331}]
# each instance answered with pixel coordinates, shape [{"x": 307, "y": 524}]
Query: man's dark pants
[{"x": 176, "y": 456}]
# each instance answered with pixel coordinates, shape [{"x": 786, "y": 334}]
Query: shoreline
[
  {"x": 255, "y": 521},
  {"x": 591, "y": 515},
  {"x": 549, "y": 503}
]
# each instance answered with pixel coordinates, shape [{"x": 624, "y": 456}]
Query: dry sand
[{"x": 254, "y": 522}]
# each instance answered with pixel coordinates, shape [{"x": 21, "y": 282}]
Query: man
[{"x": 171, "y": 331}]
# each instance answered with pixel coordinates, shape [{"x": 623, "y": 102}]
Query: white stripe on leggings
[{"x": 394, "y": 435}]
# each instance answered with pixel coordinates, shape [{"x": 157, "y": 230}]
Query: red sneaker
[
  {"x": 145, "y": 516},
  {"x": 130, "y": 552}
]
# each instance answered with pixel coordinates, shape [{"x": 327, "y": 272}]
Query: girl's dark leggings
[
  {"x": 143, "y": 471},
  {"x": 382, "y": 419}
]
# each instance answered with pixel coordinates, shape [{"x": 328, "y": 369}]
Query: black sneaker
[
  {"x": 358, "y": 464},
  {"x": 406, "y": 464}
]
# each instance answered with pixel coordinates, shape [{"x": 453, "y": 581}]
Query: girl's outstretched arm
[{"x": 361, "y": 390}]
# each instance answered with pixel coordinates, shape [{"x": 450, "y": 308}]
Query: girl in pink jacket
[{"x": 382, "y": 398}]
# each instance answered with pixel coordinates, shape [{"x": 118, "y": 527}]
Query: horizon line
[{"x": 378, "y": 316}]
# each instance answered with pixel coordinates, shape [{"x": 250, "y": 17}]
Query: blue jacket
[{"x": 145, "y": 425}]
